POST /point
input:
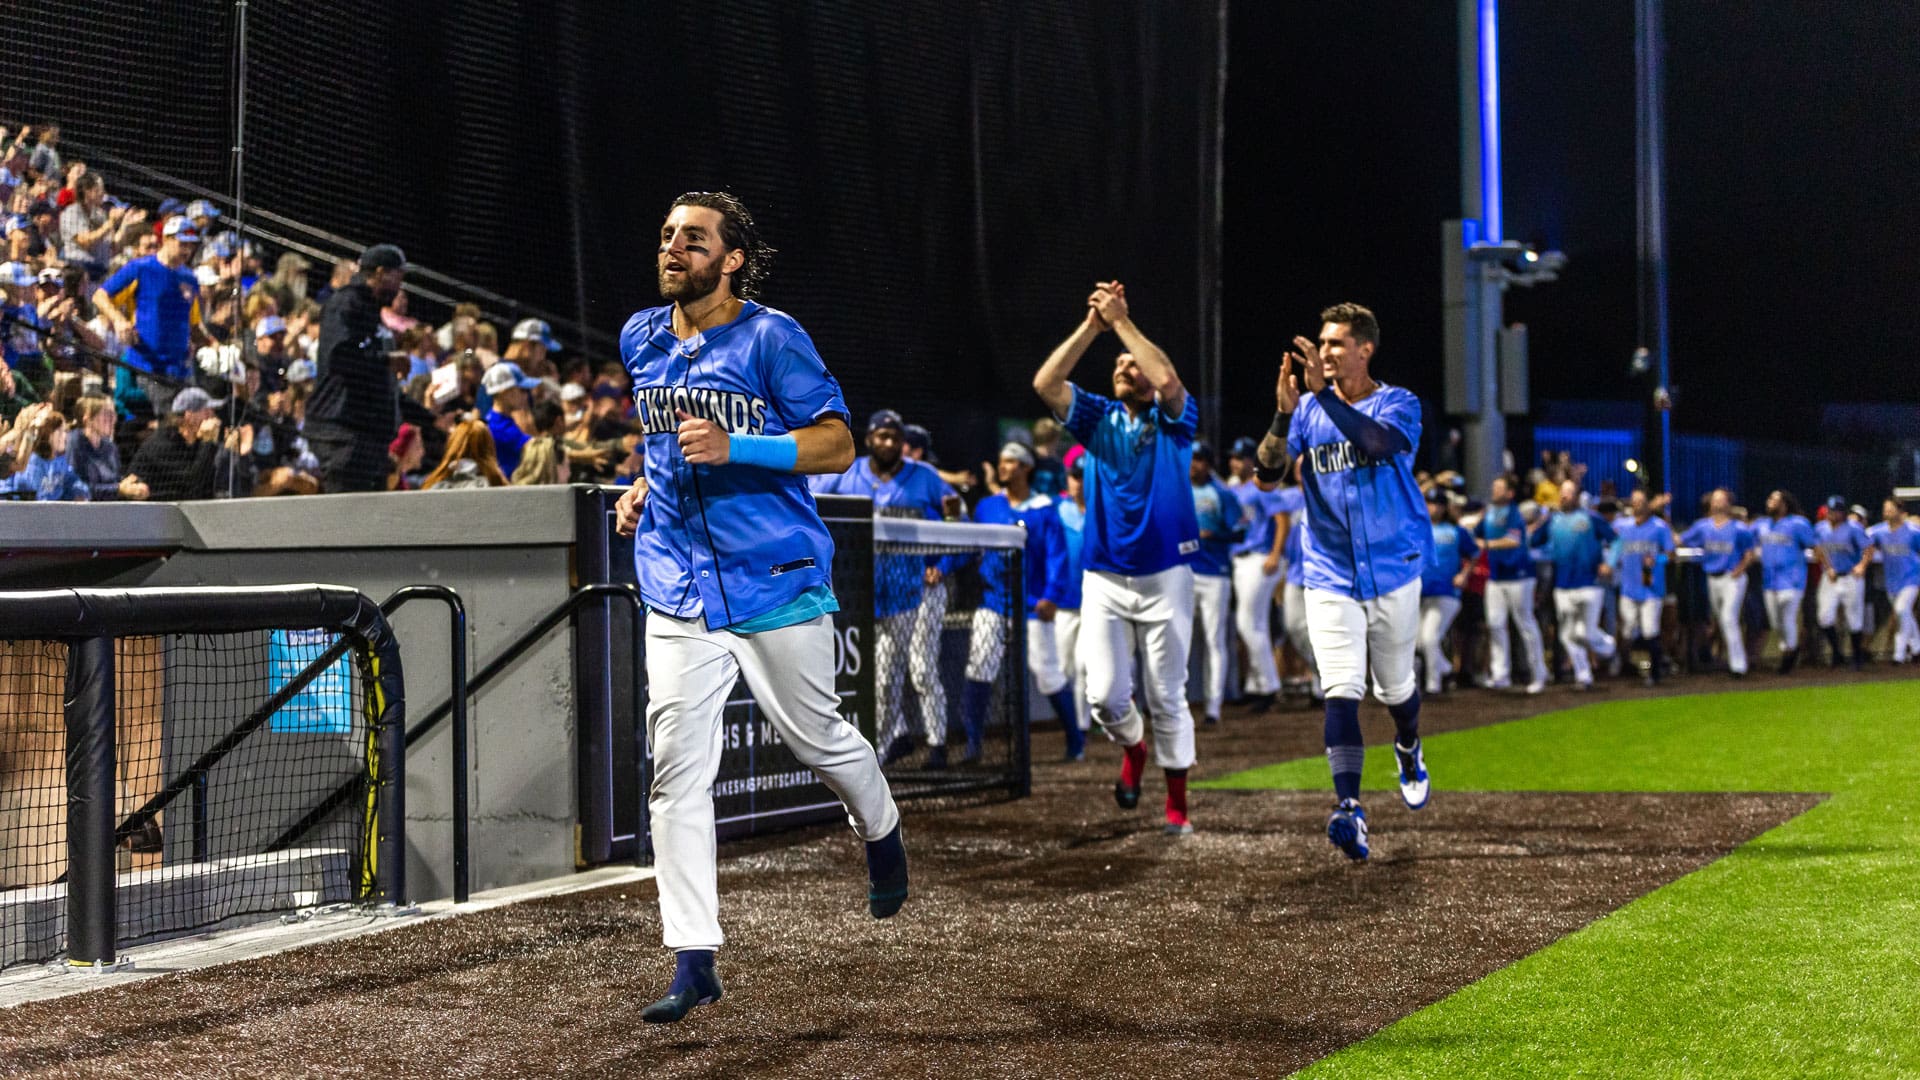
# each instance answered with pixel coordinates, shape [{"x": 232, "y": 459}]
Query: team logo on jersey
[
  {"x": 660, "y": 408},
  {"x": 1338, "y": 457}
]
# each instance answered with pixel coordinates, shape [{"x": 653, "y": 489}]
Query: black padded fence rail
[{"x": 196, "y": 722}]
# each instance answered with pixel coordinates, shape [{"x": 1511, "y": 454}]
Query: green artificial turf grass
[{"x": 1796, "y": 955}]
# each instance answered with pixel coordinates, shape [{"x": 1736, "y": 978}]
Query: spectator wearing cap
[
  {"x": 354, "y": 411},
  {"x": 510, "y": 416},
  {"x": 179, "y": 461},
  {"x": 1218, "y": 513},
  {"x": 154, "y": 304},
  {"x": 531, "y": 342},
  {"x": 204, "y": 216},
  {"x": 22, "y": 330},
  {"x": 20, "y": 238},
  {"x": 89, "y": 226},
  {"x": 95, "y": 457},
  {"x": 919, "y": 447}
]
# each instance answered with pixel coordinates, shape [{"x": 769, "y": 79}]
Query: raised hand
[
  {"x": 1286, "y": 394},
  {"x": 1109, "y": 300},
  {"x": 1308, "y": 353}
]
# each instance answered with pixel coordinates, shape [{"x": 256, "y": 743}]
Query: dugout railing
[{"x": 119, "y": 702}]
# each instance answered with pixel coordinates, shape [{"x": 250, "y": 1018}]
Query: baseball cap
[
  {"x": 194, "y": 398},
  {"x": 1437, "y": 494},
  {"x": 64, "y": 197},
  {"x": 1017, "y": 452},
  {"x": 300, "y": 371},
  {"x": 609, "y": 391},
  {"x": 170, "y": 207},
  {"x": 202, "y": 208},
  {"x": 535, "y": 330},
  {"x": 18, "y": 223},
  {"x": 572, "y": 391},
  {"x": 223, "y": 246},
  {"x": 52, "y": 275},
  {"x": 1243, "y": 447},
  {"x": 16, "y": 274},
  {"x": 1836, "y": 504},
  {"x": 269, "y": 326},
  {"x": 1202, "y": 452},
  {"x": 408, "y": 435},
  {"x": 181, "y": 229},
  {"x": 886, "y": 418},
  {"x": 206, "y": 275},
  {"x": 918, "y": 437},
  {"x": 505, "y": 376},
  {"x": 1856, "y": 508},
  {"x": 383, "y": 257},
  {"x": 1072, "y": 457}
]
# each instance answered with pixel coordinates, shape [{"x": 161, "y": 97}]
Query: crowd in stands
[{"x": 149, "y": 353}]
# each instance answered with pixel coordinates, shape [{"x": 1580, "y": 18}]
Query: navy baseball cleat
[
  {"x": 1347, "y": 829},
  {"x": 1127, "y": 796},
  {"x": 886, "y": 874},
  {"x": 694, "y": 983},
  {"x": 1414, "y": 787}
]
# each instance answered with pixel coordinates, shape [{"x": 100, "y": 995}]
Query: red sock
[
  {"x": 1134, "y": 764},
  {"x": 1176, "y": 796}
]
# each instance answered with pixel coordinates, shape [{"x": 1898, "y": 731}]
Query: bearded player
[
  {"x": 1366, "y": 542},
  {"x": 1137, "y": 590},
  {"x": 735, "y": 565}
]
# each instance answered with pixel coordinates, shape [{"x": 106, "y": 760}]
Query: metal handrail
[{"x": 491, "y": 671}]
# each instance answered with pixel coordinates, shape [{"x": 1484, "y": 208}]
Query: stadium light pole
[
  {"x": 1650, "y": 174},
  {"x": 1472, "y": 287}
]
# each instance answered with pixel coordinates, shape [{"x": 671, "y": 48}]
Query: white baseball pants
[
  {"x": 1640, "y": 619},
  {"x": 1725, "y": 594},
  {"x": 987, "y": 648},
  {"x": 1436, "y": 618},
  {"x": 1783, "y": 614},
  {"x": 1844, "y": 593},
  {"x": 1252, "y": 612},
  {"x": 908, "y": 645},
  {"x": 690, "y": 673},
  {"x": 1513, "y": 600},
  {"x": 1153, "y": 614},
  {"x": 1211, "y": 605},
  {"x": 1906, "y": 634},
  {"x": 1066, "y": 635},
  {"x": 1578, "y": 613},
  {"x": 1352, "y": 638},
  {"x": 1294, "y": 611}
]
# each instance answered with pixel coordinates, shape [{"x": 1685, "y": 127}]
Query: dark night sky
[{"x": 1793, "y": 153}]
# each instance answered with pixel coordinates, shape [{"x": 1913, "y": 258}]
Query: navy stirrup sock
[
  {"x": 1346, "y": 750},
  {"x": 1406, "y": 720},
  {"x": 691, "y": 968},
  {"x": 973, "y": 712},
  {"x": 1064, "y": 707}
]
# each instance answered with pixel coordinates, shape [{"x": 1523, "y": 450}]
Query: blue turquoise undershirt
[{"x": 806, "y": 607}]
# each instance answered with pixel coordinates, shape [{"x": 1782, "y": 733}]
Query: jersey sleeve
[
  {"x": 1086, "y": 412},
  {"x": 1401, "y": 412},
  {"x": 1469, "y": 547},
  {"x": 121, "y": 280},
  {"x": 1185, "y": 426},
  {"x": 1297, "y": 429},
  {"x": 1053, "y": 538},
  {"x": 804, "y": 392},
  {"x": 1602, "y": 529}
]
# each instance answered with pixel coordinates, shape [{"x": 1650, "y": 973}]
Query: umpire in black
[{"x": 355, "y": 407}]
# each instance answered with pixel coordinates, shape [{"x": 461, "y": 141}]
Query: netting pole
[
  {"x": 90, "y": 802},
  {"x": 249, "y": 354}
]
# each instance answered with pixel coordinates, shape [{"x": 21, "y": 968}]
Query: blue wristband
[{"x": 767, "y": 451}]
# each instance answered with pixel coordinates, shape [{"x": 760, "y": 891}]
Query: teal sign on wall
[{"x": 325, "y": 705}]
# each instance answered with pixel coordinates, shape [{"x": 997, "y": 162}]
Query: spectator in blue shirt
[
  {"x": 154, "y": 305},
  {"x": 1217, "y": 510},
  {"x": 510, "y": 419}
]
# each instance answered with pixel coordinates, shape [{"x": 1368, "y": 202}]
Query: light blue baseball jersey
[
  {"x": 1451, "y": 543},
  {"x": 1897, "y": 558},
  {"x": 1257, "y": 509},
  {"x": 1140, "y": 516},
  {"x": 1654, "y": 537},
  {"x": 1045, "y": 566},
  {"x": 730, "y": 542},
  {"x": 1575, "y": 542},
  {"x": 1783, "y": 551},
  {"x": 1721, "y": 545},
  {"x": 1215, "y": 510},
  {"x": 915, "y": 490},
  {"x": 1367, "y": 530},
  {"x": 1073, "y": 523},
  {"x": 1505, "y": 564},
  {"x": 1292, "y": 501},
  {"x": 1843, "y": 546}
]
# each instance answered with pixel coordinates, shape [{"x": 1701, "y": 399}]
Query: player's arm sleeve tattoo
[
  {"x": 1271, "y": 459},
  {"x": 1376, "y": 440}
]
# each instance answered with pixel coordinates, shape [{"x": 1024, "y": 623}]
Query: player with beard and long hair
[{"x": 735, "y": 566}]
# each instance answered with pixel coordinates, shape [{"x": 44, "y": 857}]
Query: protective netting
[
  {"x": 950, "y": 665},
  {"x": 214, "y": 796}
]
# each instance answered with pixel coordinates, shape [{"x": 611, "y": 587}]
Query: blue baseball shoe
[
  {"x": 886, "y": 874},
  {"x": 1414, "y": 786},
  {"x": 694, "y": 983},
  {"x": 1347, "y": 829}
]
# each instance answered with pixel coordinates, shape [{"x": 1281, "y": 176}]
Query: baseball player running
[
  {"x": 1444, "y": 574},
  {"x": 1727, "y": 550},
  {"x": 1784, "y": 537},
  {"x": 909, "y": 591},
  {"x": 1366, "y": 542},
  {"x": 1510, "y": 589},
  {"x": 1896, "y": 538},
  {"x": 1257, "y": 567},
  {"x": 1843, "y": 581},
  {"x": 1645, "y": 545},
  {"x": 1575, "y": 539},
  {"x": 1137, "y": 591},
  {"x": 1045, "y": 574},
  {"x": 1217, "y": 511},
  {"x": 735, "y": 565}
]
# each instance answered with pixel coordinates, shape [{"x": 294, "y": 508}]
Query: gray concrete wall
[{"x": 505, "y": 551}]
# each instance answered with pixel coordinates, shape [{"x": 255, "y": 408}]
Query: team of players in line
[{"x": 734, "y": 563}]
